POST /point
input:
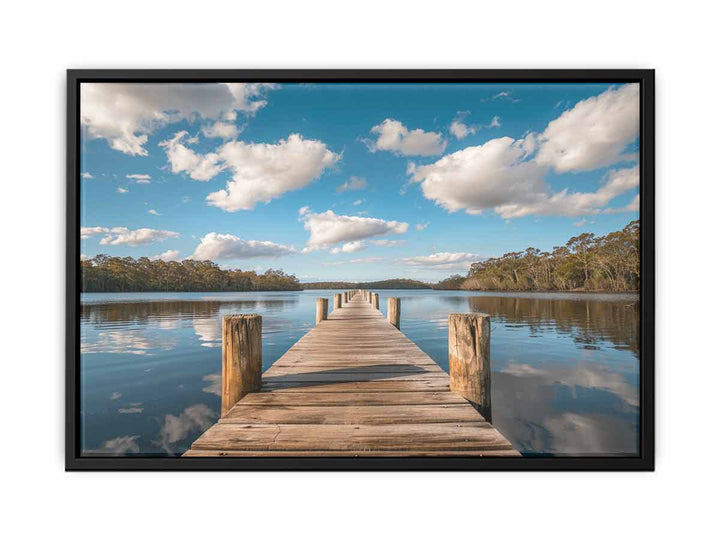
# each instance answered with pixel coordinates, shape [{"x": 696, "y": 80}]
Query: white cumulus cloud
[
  {"x": 215, "y": 246},
  {"x": 125, "y": 114},
  {"x": 87, "y": 232},
  {"x": 328, "y": 229},
  {"x": 262, "y": 172},
  {"x": 481, "y": 177},
  {"x": 594, "y": 133},
  {"x": 86, "y": 175},
  {"x": 442, "y": 260},
  {"x": 564, "y": 203},
  {"x": 183, "y": 159},
  {"x": 460, "y": 129},
  {"x": 169, "y": 255},
  {"x": 393, "y": 136},
  {"x": 349, "y": 247},
  {"x": 221, "y": 130},
  {"x": 140, "y": 178},
  {"x": 497, "y": 175},
  {"x": 355, "y": 183},
  {"x": 116, "y": 236}
]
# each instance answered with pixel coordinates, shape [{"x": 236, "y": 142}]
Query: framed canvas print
[{"x": 303, "y": 269}]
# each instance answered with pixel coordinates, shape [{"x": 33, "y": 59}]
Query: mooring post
[
  {"x": 376, "y": 300},
  {"x": 393, "y": 311},
  {"x": 321, "y": 310},
  {"x": 469, "y": 352},
  {"x": 337, "y": 301},
  {"x": 241, "y": 358}
]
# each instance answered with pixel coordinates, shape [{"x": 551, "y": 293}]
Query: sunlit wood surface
[{"x": 353, "y": 386}]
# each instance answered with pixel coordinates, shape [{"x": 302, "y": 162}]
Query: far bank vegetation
[{"x": 585, "y": 263}]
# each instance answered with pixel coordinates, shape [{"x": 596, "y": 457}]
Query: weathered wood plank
[
  {"x": 351, "y": 414},
  {"x": 403, "y": 453},
  {"x": 367, "y": 386},
  {"x": 358, "y": 437},
  {"x": 351, "y": 398}
]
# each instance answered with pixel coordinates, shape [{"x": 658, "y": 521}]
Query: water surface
[{"x": 565, "y": 367}]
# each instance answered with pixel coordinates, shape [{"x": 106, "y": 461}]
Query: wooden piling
[
  {"x": 241, "y": 358},
  {"x": 376, "y": 300},
  {"x": 393, "y": 311},
  {"x": 337, "y": 301},
  {"x": 469, "y": 352},
  {"x": 321, "y": 310}
]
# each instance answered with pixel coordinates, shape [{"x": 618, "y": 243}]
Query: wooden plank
[
  {"x": 479, "y": 436},
  {"x": 351, "y": 398},
  {"x": 368, "y": 386},
  {"x": 308, "y": 369},
  {"x": 504, "y": 454},
  {"x": 351, "y": 414},
  {"x": 358, "y": 376}
]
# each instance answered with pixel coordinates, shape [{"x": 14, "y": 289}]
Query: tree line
[
  {"x": 384, "y": 284},
  {"x": 586, "y": 262},
  {"x": 103, "y": 273}
]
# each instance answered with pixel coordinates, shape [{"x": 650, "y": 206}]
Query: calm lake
[{"x": 565, "y": 367}]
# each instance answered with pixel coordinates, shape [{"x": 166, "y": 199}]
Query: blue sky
[{"x": 353, "y": 181}]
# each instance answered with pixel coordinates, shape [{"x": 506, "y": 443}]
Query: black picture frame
[{"x": 646, "y": 459}]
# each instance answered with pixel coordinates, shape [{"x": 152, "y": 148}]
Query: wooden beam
[
  {"x": 321, "y": 310},
  {"x": 393, "y": 312},
  {"x": 469, "y": 352},
  {"x": 241, "y": 358}
]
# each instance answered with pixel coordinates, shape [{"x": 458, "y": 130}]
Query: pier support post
[
  {"x": 321, "y": 310},
  {"x": 393, "y": 311},
  {"x": 241, "y": 358},
  {"x": 337, "y": 301},
  {"x": 469, "y": 352},
  {"x": 376, "y": 300}
]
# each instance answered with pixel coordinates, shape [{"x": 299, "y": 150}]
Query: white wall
[{"x": 39, "y": 42}]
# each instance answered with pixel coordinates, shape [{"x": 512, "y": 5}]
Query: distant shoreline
[{"x": 429, "y": 288}]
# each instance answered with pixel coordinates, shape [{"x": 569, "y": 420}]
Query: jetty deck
[{"x": 353, "y": 386}]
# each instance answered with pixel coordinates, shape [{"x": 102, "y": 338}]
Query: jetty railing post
[
  {"x": 337, "y": 301},
  {"x": 321, "y": 310},
  {"x": 393, "y": 312},
  {"x": 469, "y": 352},
  {"x": 376, "y": 300},
  {"x": 241, "y": 358}
]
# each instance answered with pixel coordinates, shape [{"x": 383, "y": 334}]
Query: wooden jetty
[{"x": 354, "y": 386}]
